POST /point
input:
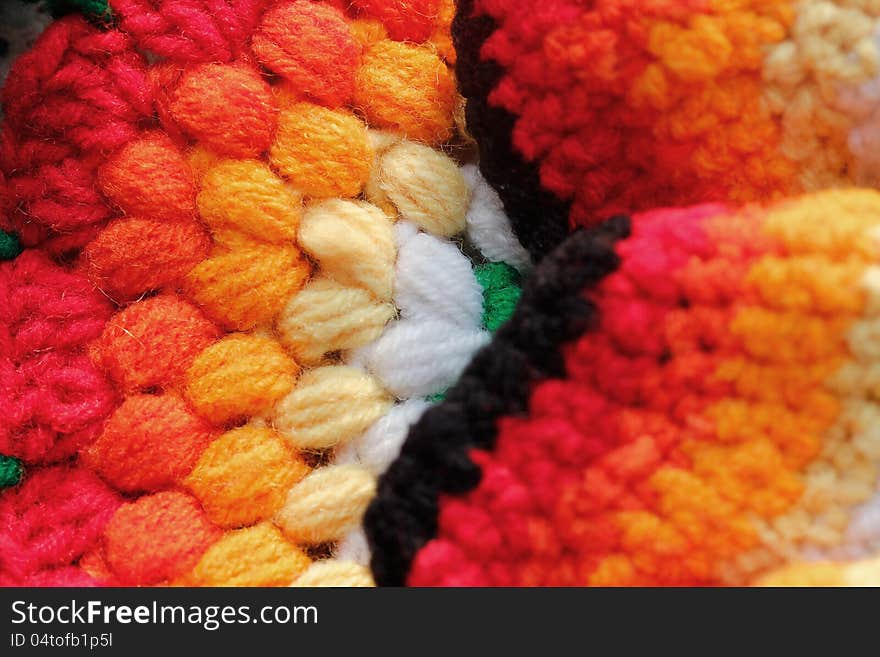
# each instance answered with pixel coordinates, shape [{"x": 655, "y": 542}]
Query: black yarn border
[
  {"x": 434, "y": 460},
  {"x": 539, "y": 218}
]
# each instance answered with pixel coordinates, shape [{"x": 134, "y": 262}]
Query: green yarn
[
  {"x": 501, "y": 291},
  {"x": 10, "y": 471},
  {"x": 10, "y": 246}
]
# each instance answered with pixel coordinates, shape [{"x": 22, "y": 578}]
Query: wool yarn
[
  {"x": 149, "y": 443},
  {"x": 52, "y": 518},
  {"x": 10, "y": 471},
  {"x": 583, "y": 110},
  {"x": 54, "y": 398},
  {"x": 80, "y": 91},
  {"x": 683, "y": 397},
  {"x": 222, "y": 207}
]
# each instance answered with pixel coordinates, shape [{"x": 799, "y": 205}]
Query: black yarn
[
  {"x": 434, "y": 459},
  {"x": 538, "y": 217}
]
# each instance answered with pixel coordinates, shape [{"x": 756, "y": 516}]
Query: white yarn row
[{"x": 439, "y": 329}]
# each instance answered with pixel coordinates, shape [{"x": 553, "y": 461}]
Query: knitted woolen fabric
[
  {"x": 586, "y": 109},
  {"x": 240, "y": 225},
  {"x": 683, "y": 397}
]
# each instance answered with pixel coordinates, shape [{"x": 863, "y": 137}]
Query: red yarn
[
  {"x": 49, "y": 192},
  {"x": 78, "y": 85},
  {"x": 70, "y": 576},
  {"x": 405, "y": 20},
  {"x": 46, "y": 308},
  {"x": 190, "y": 30},
  {"x": 49, "y": 521},
  {"x": 52, "y": 406},
  {"x": 78, "y": 93},
  {"x": 52, "y": 397}
]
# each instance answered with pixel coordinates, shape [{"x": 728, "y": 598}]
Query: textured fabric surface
[
  {"x": 683, "y": 397},
  {"x": 232, "y": 273},
  {"x": 587, "y": 109}
]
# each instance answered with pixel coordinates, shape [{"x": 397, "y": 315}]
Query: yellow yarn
[
  {"x": 326, "y": 316},
  {"x": 407, "y": 88},
  {"x": 332, "y": 573},
  {"x": 323, "y": 152},
  {"x": 242, "y": 477},
  {"x": 244, "y": 197},
  {"x": 255, "y": 556},
  {"x": 368, "y": 30},
  {"x": 239, "y": 376},
  {"x": 327, "y": 504},
  {"x": 380, "y": 141},
  {"x": 859, "y": 573},
  {"x": 201, "y": 160},
  {"x": 354, "y": 243},
  {"x": 330, "y": 406},
  {"x": 246, "y": 287},
  {"x": 426, "y": 186}
]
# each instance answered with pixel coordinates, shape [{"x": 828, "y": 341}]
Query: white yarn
[
  {"x": 380, "y": 444},
  {"x": 434, "y": 279},
  {"x": 354, "y": 548},
  {"x": 439, "y": 330},
  {"x": 418, "y": 358},
  {"x": 488, "y": 227}
]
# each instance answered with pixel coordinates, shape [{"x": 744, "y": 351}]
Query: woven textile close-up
[{"x": 440, "y": 293}]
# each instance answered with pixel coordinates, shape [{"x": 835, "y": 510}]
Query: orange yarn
[
  {"x": 312, "y": 46},
  {"x": 368, "y": 30},
  {"x": 157, "y": 537},
  {"x": 442, "y": 36},
  {"x": 239, "y": 376},
  {"x": 229, "y": 109},
  {"x": 407, "y": 88},
  {"x": 196, "y": 232},
  {"x": 149, "y": 443},
  {"x": 153, "y": 343},
  {"x": 323, "y": 152},
  {"x": 243, "y": 476},
  {"x": 134, "y": 256},
  {"x": 150, "y": 178},
  {"x": 233, "y": 189},
  {"x": 405, "y": 20},
  {"x": 256, "y": 556},
  {"x": 247, "y": 287}
]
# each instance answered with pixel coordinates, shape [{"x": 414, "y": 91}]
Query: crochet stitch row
[
  {"x": 617, "y": 106},
  {"x": 700, "y": 409},
  {"x": 206, "y": 394}
]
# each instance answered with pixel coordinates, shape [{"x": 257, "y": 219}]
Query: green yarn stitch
[
  {"x": 501, "y": 292},
  {"x": 10, "y": 246},
  {"x": 10, "y": 471}
]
